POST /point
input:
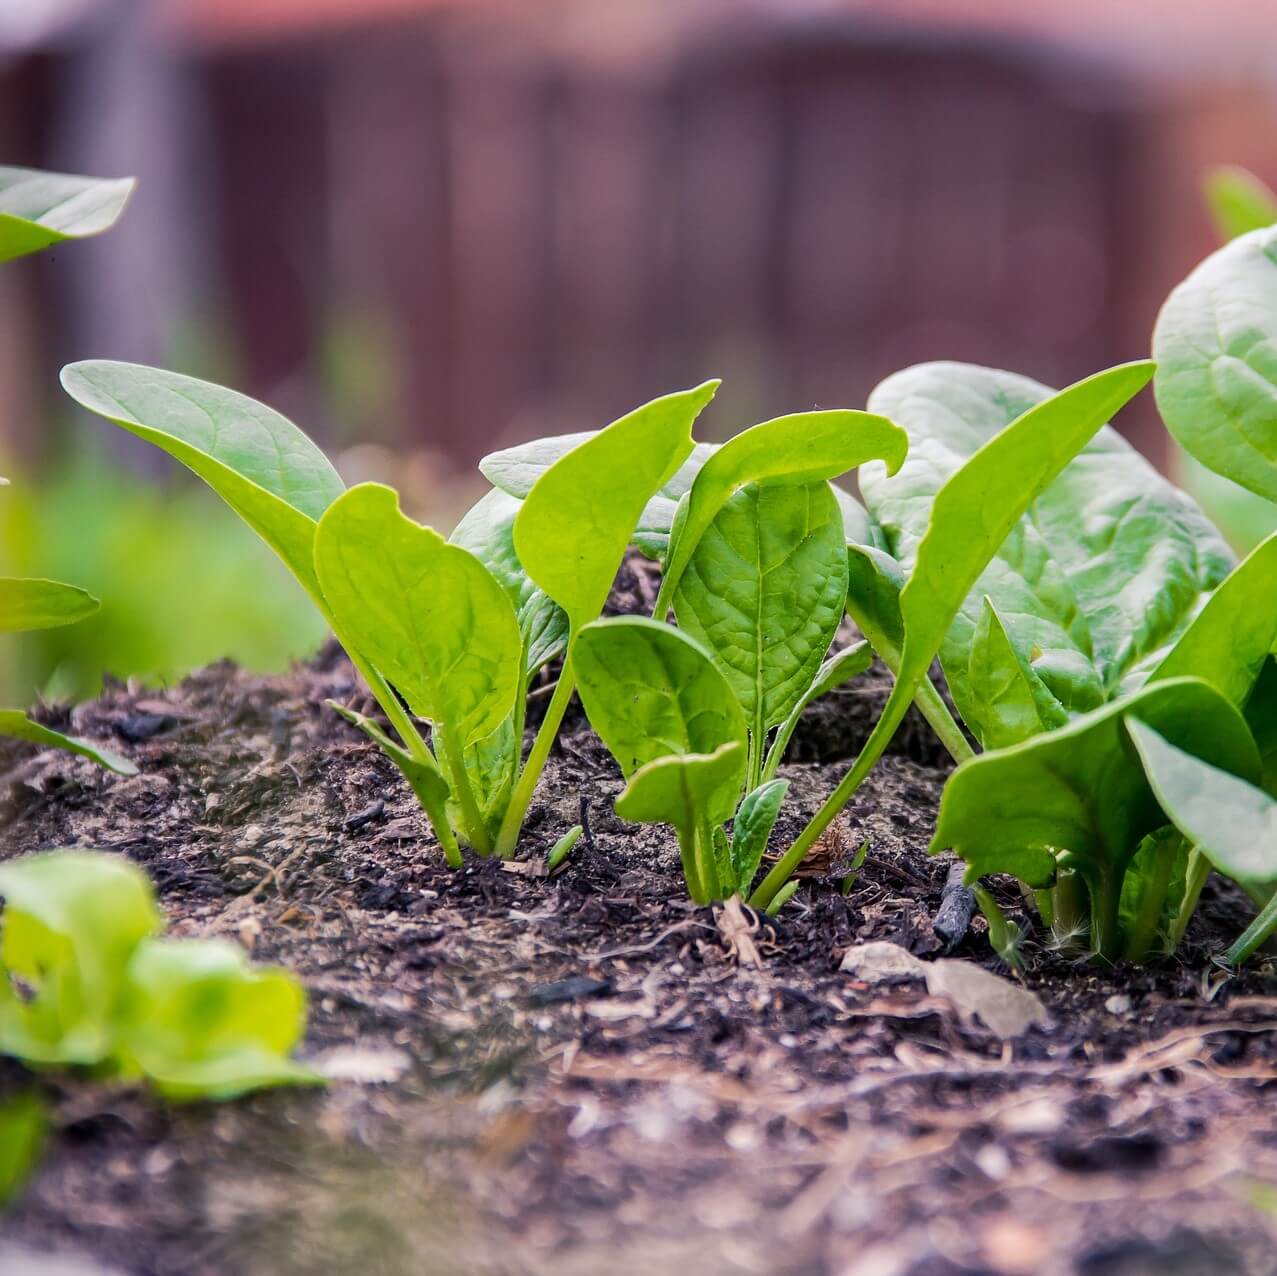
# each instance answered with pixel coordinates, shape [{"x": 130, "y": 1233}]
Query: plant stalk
[
  {"x": 1195, "y": 875},
  {"x": 476, "y": 827},
  {"x": 1257, "y": 933},
  {"x": 521, "y": 798},
  {"x": 1143, "y": 931},
  {"x": 932, "y": 707}
]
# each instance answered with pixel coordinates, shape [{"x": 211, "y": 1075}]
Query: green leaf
[
  {"x": 1106, "y": 567},
  {"x": 799, "y": 449},
  {"x": 261, "y": 464},
  {"x": 71, "y": 922},
  {"x": 651, "y": 691},
  {"x": 1261, "y": 718},
  {"x": 427, "y": 614},
  {"x": 17, "y": 726},
  {"x": 491, "y": 764},
  {"x": 201, "y": 1022},
  {"x": 1230, "y": 638},
  {"x": 1238, "y": 201},
  {"x": 38, "y": 210},
  {"x": 487, "y": 531},
  {"x": 689, "y": 791},
  {"x": 764, "y": 592},
  {"x": 1077, "y": 798},
  {"x": 752, "y": 827},
  {"x": 41, "y": 604},
  {"x": 1010, "y": 701},
  {"x": 874, "y": 582},
  {"x": 840, "y": 668},
  {"x": 1215, "y": 342},
  {"x": 24, "y": 1123},
  {"x": 580, "y": 515},
  {"x": 1232, "y": 822}
]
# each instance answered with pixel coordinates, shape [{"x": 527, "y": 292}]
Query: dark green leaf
[{"x": 752, "y": 827}]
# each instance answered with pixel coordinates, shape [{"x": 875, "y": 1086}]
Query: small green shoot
[
  {"x": 852, "y": 876},
  {"x": 563, "y": 847}
]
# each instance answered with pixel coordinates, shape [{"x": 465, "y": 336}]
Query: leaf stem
[
  {"x": 1143, "y": 930},
  {"x": 1255, "y": 934},
  {"x": 476, "y": 827},
  {"x": 932, "y": 707},
  {"x": 1195, "y": 875},
  {"x": 521, "y": 798},
  {"x": 892, "y": 715}
]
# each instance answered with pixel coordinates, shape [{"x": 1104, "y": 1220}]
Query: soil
[{"x": 583, "y": 1073}]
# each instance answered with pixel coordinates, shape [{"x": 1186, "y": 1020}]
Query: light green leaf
[
  {"x": 201, "y": 1022},
  {"x": 1230, "y": 638},
  {"x": 261, "y": 464},
  {"x": 427, "y": 614},
  {"x": 650, "y": 691},
  {"x": 1216, "y": 348},
  {"x": 491, "y": 764},
  {"x": 1077, "y": 797},
  {"x": 1232, "y": 822},
  {"x": 580, "y": 515},
  {"x": 1010, "y": 702},
  {"x": 487, "y": 531},
  {"x": 799, "y": 449},
  {"x": 1105, "y": 569},
  {"x": 689, "y": 791},
  {"x": 41, "y": 604},
  {"x": 24, "y": 1123},
  {"x": 17, "y": 726},
  {"x": 71, "y": 921},
  {"x": 764, "y": 593},
  {"x": 1238, "y": 201},
  {"x": 874, "y": 582},
  {"x": 38, "y": 210},
  {"x": 840, "y": 668},
  {"x": 752, "y": 827}
]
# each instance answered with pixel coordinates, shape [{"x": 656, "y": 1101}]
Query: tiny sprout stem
[
  {"x": 710, "y": 881},
  {"x": 476, "y": 827},
  {"x": 521, "y": 798},
  {"x": 892, "y": 715},
  {"x": 1199, "y": 869},
  {"x": 1257, "y": 933},
  {"x": 1143, "y": 932},
  {"x": 689, "y": 853}
]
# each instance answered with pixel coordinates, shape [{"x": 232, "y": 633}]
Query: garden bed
[{"x": 584, "y": 1073}]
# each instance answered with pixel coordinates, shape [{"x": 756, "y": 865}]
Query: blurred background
[{"x": 427, "y": 228}]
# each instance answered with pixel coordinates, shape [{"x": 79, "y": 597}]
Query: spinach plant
[
  {"x": 1111, "y": 582},
  {"x": 85, "y": 981},
  {"x": 756, "y": 572},
  {"x": 37, "y": 211},
  {"x": 452, "y": 629},
  {"x": 970, "y": 514}
]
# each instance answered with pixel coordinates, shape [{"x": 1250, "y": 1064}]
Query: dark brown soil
[{"x": 577, "y": 1074}]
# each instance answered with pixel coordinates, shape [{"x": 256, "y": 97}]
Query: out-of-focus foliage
[{"x": 134, "y": 542}]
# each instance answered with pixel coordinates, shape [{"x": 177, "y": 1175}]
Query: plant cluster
[{"x": 89, "y": 982}]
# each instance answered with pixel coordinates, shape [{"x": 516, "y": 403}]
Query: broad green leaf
[
  {"x": 17, "y": 726},
  {"x": 1011, "y": 702},
  {"x": 257, "y": 461},
  {"x": 1231, "y": 821},
  {"x": 1261, "y": 718},
  {"x": 764, "y": 592},
  {"x": 71, "y": 921},
  {"x": 1109, "y": 562},
  {"x": 803, "y": 448},
  {"x": 38, "y": 209},
  {"x": 1230, "y": 638},
  {"x": 840, "y": 668},
  {"x": 752, "y": 827},
  {"x": 651, "y": 691},
  {"x": 1238, "y": 201},
  {"x": 857, "y": 525},
  {"x": 201, "y": 1022},
  {"x": 1077, "y": 797},
  {"x": 41, "y": 604},
  {"x": 487, "y": 531},
  {"x": 685, "y": 790},
  {"x": 580, "y": 515},
  {"x": 1215, "y": 343},
  {"x": 427, "y": 614}
]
